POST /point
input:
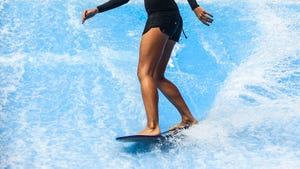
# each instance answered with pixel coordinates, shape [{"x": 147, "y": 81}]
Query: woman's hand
[
  {"x": 87, "y": 14},
  {"x": 203, "y": 16}
]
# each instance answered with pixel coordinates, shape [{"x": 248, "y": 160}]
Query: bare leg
[
  {"x": 170, "y": 90},
  {"x": 151, "y": 49}
]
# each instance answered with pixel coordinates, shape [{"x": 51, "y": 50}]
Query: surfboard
[{"x": 144, "y": 138}]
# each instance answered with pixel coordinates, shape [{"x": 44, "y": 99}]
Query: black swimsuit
[{"x": 161, "y": 13}]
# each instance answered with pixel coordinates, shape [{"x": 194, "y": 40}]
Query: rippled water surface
[{"x": 67, "y": 89}]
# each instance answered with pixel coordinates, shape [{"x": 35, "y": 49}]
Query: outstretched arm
[
  {"x": 203, "y": 16},
  {"x": 102, "y": 8}
]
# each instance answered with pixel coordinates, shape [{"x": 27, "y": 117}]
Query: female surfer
[{"x": 162, "y": 30}]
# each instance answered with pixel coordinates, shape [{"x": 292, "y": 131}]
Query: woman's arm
[
  {"x": 193, "y": 4},
  {"x": 110, "y": 5},
  {"x": 203, "y": 16},
  {"x": 102, "y": 8}
]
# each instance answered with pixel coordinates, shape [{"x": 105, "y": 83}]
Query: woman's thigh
[{"x": 151, "y": 50}]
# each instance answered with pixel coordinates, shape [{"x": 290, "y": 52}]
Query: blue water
[{"x": 67, "y": 89}]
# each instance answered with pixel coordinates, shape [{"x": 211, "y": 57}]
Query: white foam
[
  {"x": 259, "y": 69},
  {"x": 13, "y": 77},
  {"x": 260, "y": 133},
  {"x": 219, "y": 55},
  {"x": 127, "y": 80},
  {"x": 255, "y": 107},
  {"x": 177, "y": 48}
]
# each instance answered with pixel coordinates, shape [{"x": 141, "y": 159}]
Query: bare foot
[
  {"x": 150, "y": 132},
  {"x": 187, "y": 124}
]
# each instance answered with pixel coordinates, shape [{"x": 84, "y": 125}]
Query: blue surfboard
[{"x": 144, "y": 138}]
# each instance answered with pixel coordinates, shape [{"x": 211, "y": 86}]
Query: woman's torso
[{"x": 153, "y": 6}]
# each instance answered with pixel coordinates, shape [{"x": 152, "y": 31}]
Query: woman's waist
[
  {"x": 153, "y": 6},
  {"x": 164, "y": 13}
]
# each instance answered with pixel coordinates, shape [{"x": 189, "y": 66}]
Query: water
[{"x": 67, "y": 90}]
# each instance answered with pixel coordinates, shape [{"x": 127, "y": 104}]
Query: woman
[{"x": 162, "y": 31}]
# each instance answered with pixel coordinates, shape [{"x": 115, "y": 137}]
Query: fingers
[
  {"x": 210, "y": 15},
  {"x": 206, "y": 18},
  {"x": 88, "y": 14},
  {"x": 83, "y": 17}
]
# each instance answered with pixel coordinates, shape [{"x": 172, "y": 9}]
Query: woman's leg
[
  {"x": 170, "y": 90},
  {"x": 151, "y": 49}
]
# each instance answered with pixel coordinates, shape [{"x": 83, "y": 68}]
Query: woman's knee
[
  {"x": 139, "y": 75},
  {"x": 142, "y": 73}
]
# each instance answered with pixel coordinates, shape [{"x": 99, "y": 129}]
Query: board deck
[{"x": 142, "y": 138}]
